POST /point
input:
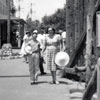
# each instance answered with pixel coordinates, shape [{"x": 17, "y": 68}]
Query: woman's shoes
[{"x": 54, "y": 82}]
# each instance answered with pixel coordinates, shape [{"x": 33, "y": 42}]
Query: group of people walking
[{"x": 41, "y": 47}]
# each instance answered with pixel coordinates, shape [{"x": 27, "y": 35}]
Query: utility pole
[
  {"x": 19, "y": 8},
  {"x": 31, "y": 11},
  {"x": 8, "y": 22}
]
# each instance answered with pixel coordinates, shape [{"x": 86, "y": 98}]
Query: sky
[{"x": 40, "y": 8}]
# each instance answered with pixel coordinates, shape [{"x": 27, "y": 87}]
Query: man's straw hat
[{"x": 35, "y": 31}]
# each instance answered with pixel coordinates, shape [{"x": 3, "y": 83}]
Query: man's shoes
[
  {"x": 51, "y": 82},
  {"x": 43, "y": 73},
  {"x": 27, "y": 62},
  {"x": 32, "y": 82}
]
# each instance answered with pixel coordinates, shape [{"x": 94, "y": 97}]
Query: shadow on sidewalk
[{"x": 11, "y": 76}]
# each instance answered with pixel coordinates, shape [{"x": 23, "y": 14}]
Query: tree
[
  {"x": 32, "y": 25},
  {"x": 57, "y": 20}
]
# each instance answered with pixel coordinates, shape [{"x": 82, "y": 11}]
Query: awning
[{"x": 12, "y": 18}]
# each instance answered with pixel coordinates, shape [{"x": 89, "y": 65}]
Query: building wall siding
[{"x": 3, "y": 6}]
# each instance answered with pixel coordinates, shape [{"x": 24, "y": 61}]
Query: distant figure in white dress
[{"x": 27, "y": 37}]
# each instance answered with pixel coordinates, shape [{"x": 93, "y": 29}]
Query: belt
[{"x": 35, "y": 52}]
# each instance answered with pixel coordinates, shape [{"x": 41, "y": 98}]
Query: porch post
[
  {"x": 19, "y": 38},
  {"x": 0, "y": 35},
  {"x": 98, "y": 48},
  {"x": 8, "y": 22},
  {"x": 19, "y": 28}
]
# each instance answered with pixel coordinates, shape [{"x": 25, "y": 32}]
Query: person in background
[
  {"x": 40, "y": 39},
  {"x": 33, "y": 57},
  {"x": 60, "y": 32},
  {"x": 26, "y": 38},
  {"x": 63, "y": 35},
  {"x": 51, "y": 44}
]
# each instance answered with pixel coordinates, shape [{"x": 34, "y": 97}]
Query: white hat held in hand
[
  {"x": 28, "y": 49},
  {"x": 62, "y": 59}
]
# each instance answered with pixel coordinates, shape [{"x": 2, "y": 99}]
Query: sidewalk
[{"x": 15, "y": 83}]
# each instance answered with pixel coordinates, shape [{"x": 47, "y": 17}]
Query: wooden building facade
[
  {"x": 83, "y": 38},
  {"x": 16, "y": 25},
  {"x": 81, "y": 30}
]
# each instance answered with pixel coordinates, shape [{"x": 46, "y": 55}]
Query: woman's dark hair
[
  {"x": 52, "y": 30},
  {"x": 28, "y": 32}
]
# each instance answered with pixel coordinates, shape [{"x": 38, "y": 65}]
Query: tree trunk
[{"x": 88, "y": 47}]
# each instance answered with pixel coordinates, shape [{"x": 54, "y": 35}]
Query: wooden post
[
  {"x": 98, "y": 80},
  {"x": 89, "y": 39},
  {"x": 98, "y": 48},
  {"x": 19, "y": 38},
  {"x": 91, "y": 11},
  {"x": 76, "y": 18},
  {"x": 8, "y": 22},
  {"x": 68, "y": 25},
  {"x": 72, "y": 29},
  {"x": 0, "y": 35},
  {"x": 98, "y": 29}
]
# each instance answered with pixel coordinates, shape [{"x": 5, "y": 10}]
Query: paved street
[{"x": 15, "y": 83}]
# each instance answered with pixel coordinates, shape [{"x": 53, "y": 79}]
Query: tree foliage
[
  {"x": 57, "y": 20},
  {"x": 32, "y": 25}
]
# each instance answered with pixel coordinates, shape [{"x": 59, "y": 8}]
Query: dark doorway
[{"x": 3, "y": 33}]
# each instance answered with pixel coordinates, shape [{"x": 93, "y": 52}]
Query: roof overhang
[{"x": 12, "y": 18}]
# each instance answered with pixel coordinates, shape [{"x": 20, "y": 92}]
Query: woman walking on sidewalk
[
  {"x": 52, "y": 45},
  {"x": 33, "y": 56}
]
